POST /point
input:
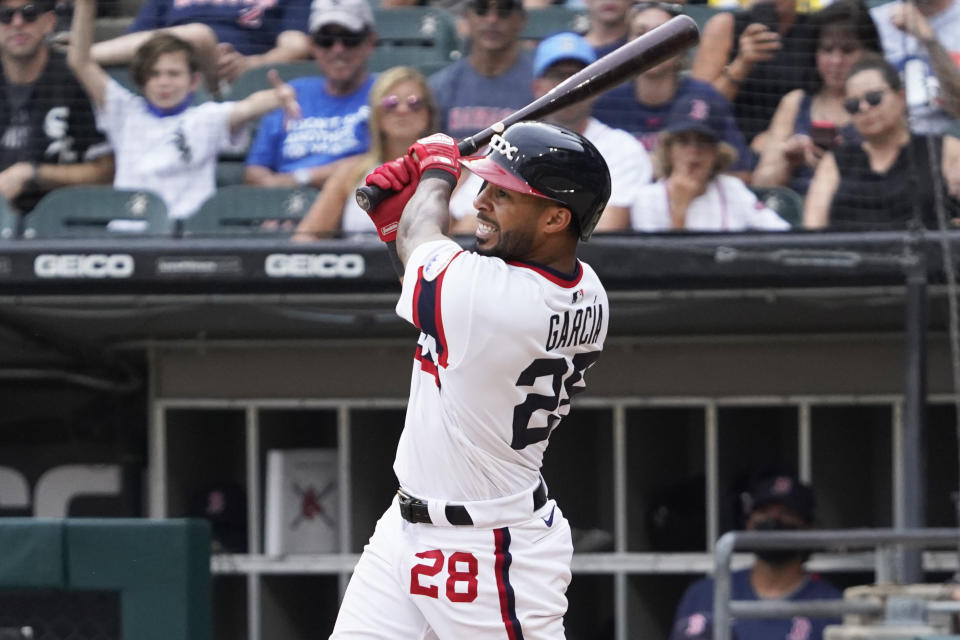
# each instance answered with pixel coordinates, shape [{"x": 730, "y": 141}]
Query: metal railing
[{"x": 884, "y": 541}]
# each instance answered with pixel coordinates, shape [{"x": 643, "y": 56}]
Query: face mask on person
[{"x": 778, "y": 557}]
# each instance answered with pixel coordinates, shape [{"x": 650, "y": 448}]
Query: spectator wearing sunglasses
[
  {"x": 557, "y": 58},
  {"x": 922, "y": 41},
  {"x": 755, "y": 57},
  {"x": 641, "y": 107},
  {"x": 887, "y": 180},
  {"x": 402, "y": 111},
  {"x": 693, "y": 194},
  {"x": 335, "y": 104},
  {"x": 49, "y": 134},
  {"x": 163, "y": 142},
  {"x": 608, "y": 25},
  {"x": 229, "y": 37},
  {"x": 493, "y": 80},
  {"x": 809, "y": 122}
]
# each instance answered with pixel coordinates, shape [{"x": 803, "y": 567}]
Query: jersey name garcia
[{"x": 502, "y": 350}]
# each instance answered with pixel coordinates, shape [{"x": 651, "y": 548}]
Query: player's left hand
[
  {"x": 438, "y": 151},
  {"x": 400, "y": 177}
]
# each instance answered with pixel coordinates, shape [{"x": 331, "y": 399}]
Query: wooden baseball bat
[{"x": 647, "y": 51}]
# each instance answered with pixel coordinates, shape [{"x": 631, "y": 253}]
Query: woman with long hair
[
  {"x": 402, "y": 110},
  {"x": 888, "y": 179},
  {"x": 808, "y": 123}
]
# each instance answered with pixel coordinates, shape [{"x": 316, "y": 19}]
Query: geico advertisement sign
[
  {"x": 83, "y": 265},
  {"x": 314, "y": 265}
]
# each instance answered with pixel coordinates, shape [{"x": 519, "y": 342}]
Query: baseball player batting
[{"x": 472, "y": 546}]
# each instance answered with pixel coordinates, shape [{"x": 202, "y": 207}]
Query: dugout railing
[{"x": 887, "y": 543}]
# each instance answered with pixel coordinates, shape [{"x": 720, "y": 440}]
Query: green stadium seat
[
  {"x": 546, "y": 21},
  {"x": 249, "y": 210},
  {"x": 786, "y": 202},
  {"x": 230, "y": 172},
  {"x": 9, "y": 221},
  {"x": 97, "y": 211},
  {"x": 421, "y": 37},
  {"x": 253, "y": 80}
]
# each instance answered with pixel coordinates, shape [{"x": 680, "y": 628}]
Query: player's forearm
[
  {"x": 79, "y": 59},
  {"x": 426, "y": 216}
]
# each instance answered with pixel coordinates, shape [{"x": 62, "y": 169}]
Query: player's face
[
  {"x": 506, "y": 222},
  {"x": 25, "y": 35},
  {"x": 169, "y": 80},
  {"x": 608, "y": 11}
]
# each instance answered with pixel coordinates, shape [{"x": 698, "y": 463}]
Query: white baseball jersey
[
  {"x": 175, "y": 156},
  {"x": 503, "y": 348}
]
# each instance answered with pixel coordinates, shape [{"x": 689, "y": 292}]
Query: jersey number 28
[{"x": 523, "y": 433}]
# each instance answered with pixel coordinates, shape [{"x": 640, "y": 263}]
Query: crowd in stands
[{"x": 852, "y": 108}]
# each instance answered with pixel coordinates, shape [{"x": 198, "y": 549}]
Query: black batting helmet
[{"x": 552, "y": 162}]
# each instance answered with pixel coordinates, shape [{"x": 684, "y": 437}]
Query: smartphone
[
  {"x": 823, "y": 134},
  {"x": 765, "y": 12}
]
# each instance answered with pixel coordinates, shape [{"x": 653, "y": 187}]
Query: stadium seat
[
  {"x": 546, "y": 21},
  {"x": 246, "y": 210},
  {"x": 229, "y": 172},
  {"x": 421, "y": 37},
  {"x": 9, "y": 221},
  {"x": 786, "y": 202},
  {"x": 253, "y": 80},
  {"x": 97, "y": 211}
]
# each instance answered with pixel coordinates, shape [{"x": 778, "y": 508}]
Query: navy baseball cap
[
  {"x": 782, "y": 489},
  {"x": 700, "y": 113},
  {"x": 560, "y": 47}
]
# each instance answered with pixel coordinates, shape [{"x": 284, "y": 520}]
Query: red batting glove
[
  {"x": 438, "y": 151},
  {"x": 399, "y": 176}
]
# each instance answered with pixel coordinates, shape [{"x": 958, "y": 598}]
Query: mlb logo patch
[{"x": 577, "y": 296}]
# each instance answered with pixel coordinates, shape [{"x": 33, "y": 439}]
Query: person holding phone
[
  {"x": 754, "y": 57},
  {"x": 887, "y": 180},
  {"x": 808, "y": 123}
]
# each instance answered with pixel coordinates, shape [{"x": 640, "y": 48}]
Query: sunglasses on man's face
[
  {"x": 504, "y": 9},
  {"x": 872, "y": 98},
  {"x": 29, "y": 13},
  {"x": 392, "y": 102},
  {"x": 348, "y": 39}
]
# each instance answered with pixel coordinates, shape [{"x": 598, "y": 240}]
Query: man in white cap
[
  {"x": 335, "y": 106},
  {"x": 556, "y": 59}
]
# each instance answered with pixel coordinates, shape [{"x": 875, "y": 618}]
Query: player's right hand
[
  {"x": 438, "y": 151},
  {"x": 400, "y": 177}
]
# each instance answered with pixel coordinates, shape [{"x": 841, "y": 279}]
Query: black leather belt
[{"x": 415, "y": 510}]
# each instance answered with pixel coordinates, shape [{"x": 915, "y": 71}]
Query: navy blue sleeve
[
  {"x": 698, "y": 598},
  {"x": 296, "y": 15},
  {"x": 152, "y": 15}
]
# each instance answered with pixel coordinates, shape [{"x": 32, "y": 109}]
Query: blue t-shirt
[
  {"x": 470, "y": 102},
  {"x": 332, "y": 127},
  {"x": 251, "y": 26},
  {"x": 620, "y": 108},
  {"x": 697, "y": 606}
]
